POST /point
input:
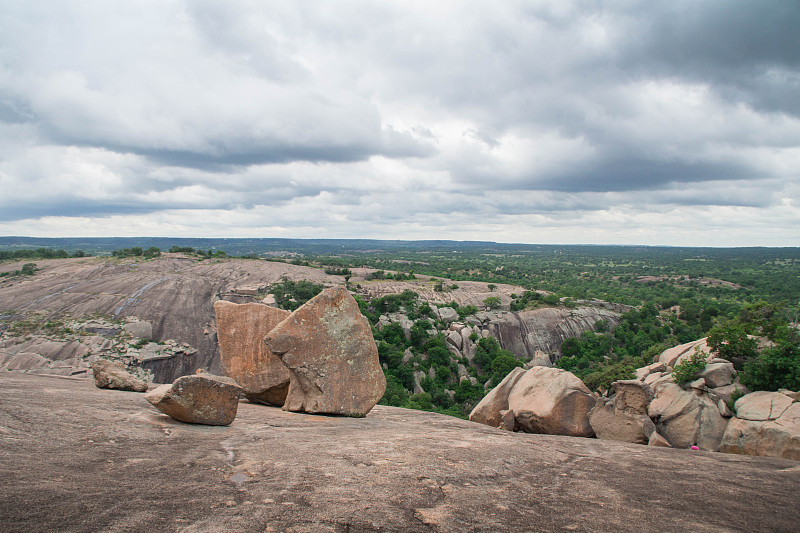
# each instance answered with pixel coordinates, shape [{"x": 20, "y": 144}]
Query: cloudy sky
[{"x": 563, "y": 121}]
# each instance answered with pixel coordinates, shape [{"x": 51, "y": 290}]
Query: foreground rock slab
[
  {"x": 114, "y": 375},
  {"x": 241, "y": 329},
  {"x": 199, "y": 399},
  {"x": 79, "y": 459},
  {"x": 328, "y": 347}
]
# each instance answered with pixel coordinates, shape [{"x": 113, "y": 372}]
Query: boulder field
[
  {"x": 78, "y": 458},
  {"x": 651, "y": 409}
]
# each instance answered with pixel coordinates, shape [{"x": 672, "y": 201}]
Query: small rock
[
  {"x": 199, "y": 399},
  {"x": 658, "y": 440}
]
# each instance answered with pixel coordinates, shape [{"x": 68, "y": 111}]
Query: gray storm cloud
[{"x": 404, "y": 120}]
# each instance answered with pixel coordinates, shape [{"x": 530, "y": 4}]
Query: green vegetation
[
  {"x": 290, "y": 295},
  {"x": 28, "y": 269},
  {"x": 690, "y": 368},
  {"x": 137, "y": 252},
  {"x": 39, "y": 253}
]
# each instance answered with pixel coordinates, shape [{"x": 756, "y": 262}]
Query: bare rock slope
[{"x": 77, "y": 458}]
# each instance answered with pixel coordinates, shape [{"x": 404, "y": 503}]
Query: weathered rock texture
[
  {"x": 113, "y": 375},
  {"x": 551, "y": 401},
  {"x": 241, "y": 329},
  {"x": 200, "y": 399},
  {"x": 685, "y": 418},
  {"x": 77, "y": 458},
  {"x": 625, "y": 418},
  {"x": 328, "y": 347}
]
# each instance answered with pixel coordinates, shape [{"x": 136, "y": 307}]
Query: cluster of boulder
[
  {"x": 651, "y": 409},
  {"x": 321, "y": 358}
]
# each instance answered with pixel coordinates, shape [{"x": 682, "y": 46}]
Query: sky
[{"x": 553, "y": 122}]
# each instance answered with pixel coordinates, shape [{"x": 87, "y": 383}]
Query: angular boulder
[
  {"x": 685, "y": 418},
  {"x": 490, "y": 409},
  {"x": 328, "y": 347},
  {"x": 779, "y": 437},
  {"x": 241, "y": 329},
  {"x": 199, "y": 399},
  {"x": 114, "y": 375},
  {"x": 718, "y": 374},
  {"x": 611, "y": 423},
  {"x": 632, "y": 396},
  {"x": 552, "y": 401}
]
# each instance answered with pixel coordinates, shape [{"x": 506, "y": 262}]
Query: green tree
[{"x": 492, "y": 302}]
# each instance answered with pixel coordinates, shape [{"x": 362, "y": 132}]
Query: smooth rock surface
[
  {"x": 200, "y": 399},
  {"x": 81, "y": 459},
  {"x": 552, "y": 401},
  {"x": 490, "y": 409},
  {"x": 241, "y": 329},
  {"x": 328, "y": 347},
  {"x": 114, "y": 375}
]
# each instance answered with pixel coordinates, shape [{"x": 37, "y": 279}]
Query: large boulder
[
  {"x": 611, "y": 423},
  {"x": 778, "y": 437},
  {"x": 552, "y": 401},
  {"x": 488, "y": 411},
  {"x": 241, "y": 329},
  {"x": 447, "y": 314},
  {"x": 328, "y": 347},
  {"x": 761, "y": 406},
  {"x": 114, "y": 375},
  {"x": 685, "y": 418},
  {"x": 199, "y": 399}
]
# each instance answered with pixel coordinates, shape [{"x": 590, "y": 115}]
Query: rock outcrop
[
  {"x": 241, "y": 329},
  {"x": 328, "y": 347},
  {"x": 114, "y": 375},
  {"x": 525, "y": 332},
  {"x": 200, "y": 399}
]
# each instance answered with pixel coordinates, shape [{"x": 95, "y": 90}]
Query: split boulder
[
  {"x": 199, "y": 399},
  {"x": 241, "y": 329},
  {"x": 328, "y": 347},
  {"x": 114, "y": 375},
  {"x": 611, "y": 423},
  {"x": 686, "y": 419},
  {"x": 489, "y": 410}
]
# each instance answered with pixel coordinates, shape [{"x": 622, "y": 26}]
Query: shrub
[
  {"x": 689, "y": 369},
  {"x": 776, "y": 368}
]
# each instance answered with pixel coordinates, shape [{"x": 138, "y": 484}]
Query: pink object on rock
[{"x": 695, "y": 448}]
